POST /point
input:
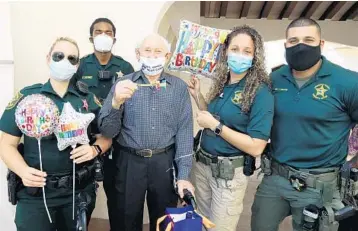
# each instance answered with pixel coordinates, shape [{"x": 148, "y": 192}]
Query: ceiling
[{"x": 276, "y": 10}]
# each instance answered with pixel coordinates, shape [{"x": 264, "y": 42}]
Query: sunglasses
[{"x": 58, "y": 56}]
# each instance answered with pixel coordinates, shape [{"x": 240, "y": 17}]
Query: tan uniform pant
[{"x": 218, "y": 200}]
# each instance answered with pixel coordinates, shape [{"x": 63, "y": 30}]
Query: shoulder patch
[
  {"x": 14, "y": 101},
  {"x": 97, "y": 101}
]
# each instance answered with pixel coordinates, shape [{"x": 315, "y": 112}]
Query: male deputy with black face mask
[
  {"x": 316, "y": 105},
  {"x": 99, "y": 71}
]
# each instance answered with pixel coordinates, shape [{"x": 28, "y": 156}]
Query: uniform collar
[
  {"x": 113, "y": 60},
  {"x": 47, "y": 87},
  {"x": 240, "y": 83},
  {"x": 324, "y": 71},
  {"x": 140, "y": 74}
]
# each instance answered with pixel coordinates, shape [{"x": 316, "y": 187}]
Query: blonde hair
[
  {"x": 65, "y": 39},
  {"x": 256, "y": 75}
]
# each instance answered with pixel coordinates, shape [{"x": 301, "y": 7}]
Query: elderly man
[{"x": 155, "y": 141}]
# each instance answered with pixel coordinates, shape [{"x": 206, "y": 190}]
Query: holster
[
  {"x": 266, "y": 164},
  {"x": 265, "y": 161},
  {"x": 13, "y": 183},
  {"x": 197, "y": 140},
  {"x": 221, "y": 167},
  {"x": 226, "y": 169},
  {"x": 249, "y": 165},
  {"x": 327, "y": 220},
  {"x": 13, "y": 180}
]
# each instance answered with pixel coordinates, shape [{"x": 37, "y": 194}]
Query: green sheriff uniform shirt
[
  {"x": 256, "y": 123},
  {"x": 100, "y": 78},
  {"x": 54, "y": 161},
  {"x": 312, "y": 123}
]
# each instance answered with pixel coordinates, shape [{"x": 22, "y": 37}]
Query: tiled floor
[{"x": 244, "y": 223}]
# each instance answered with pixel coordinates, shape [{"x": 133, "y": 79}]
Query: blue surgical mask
[{"x": 239, "y": 63}]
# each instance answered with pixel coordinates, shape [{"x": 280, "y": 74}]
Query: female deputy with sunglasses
[
  {"x": 31, "y": 214},
  {"x": 237, "y": 122}
]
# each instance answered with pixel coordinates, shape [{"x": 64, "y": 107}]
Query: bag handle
[{"x": 160, "y": 220}]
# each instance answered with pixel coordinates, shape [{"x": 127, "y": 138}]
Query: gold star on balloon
[{"x": 120, "y": 74}]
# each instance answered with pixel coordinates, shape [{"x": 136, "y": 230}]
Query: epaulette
[
  {"x": 38, "y": 85},
  {"x": 81, "y": 87},
  {"x": 118, "y": 57},
  {"x": 86, "y": 56}
]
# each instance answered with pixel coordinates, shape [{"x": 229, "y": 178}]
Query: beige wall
[
  {"x": 35, "y": 25},
  {"x": 6, "y": 89}
]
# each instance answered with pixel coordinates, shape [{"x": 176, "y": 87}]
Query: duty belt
[
  {"x": 302, "y": 178},
  {"x": 83, "y": 176},
  {"x": 57, "y": 181},
  {"x": 147, "y": 152},
  {"x": 207, "y": 159}
]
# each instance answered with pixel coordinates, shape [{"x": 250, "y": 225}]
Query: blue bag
[{"x": 182, "y": 219}]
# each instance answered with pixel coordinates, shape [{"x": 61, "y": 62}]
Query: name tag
[
  {"x": 87, "y": 77},
  {"x": 280, "y": 89}
]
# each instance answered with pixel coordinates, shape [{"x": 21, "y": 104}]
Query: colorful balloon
[
  {"x": 197, "y": 49},
  {"x": 37, "y": 116},
  {"x": 72, "y": 127}
]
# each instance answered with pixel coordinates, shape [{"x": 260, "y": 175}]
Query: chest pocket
[
  {"x": 134, "y": 109},
  {"x": 144, "y": 103},
  {"x": 235, "y": 118},
  {"x": 166, "y": 108},
  {"x": 90, "y": 80}
]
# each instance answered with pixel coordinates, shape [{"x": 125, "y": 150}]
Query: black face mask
[{"x": 302, "y": 57}]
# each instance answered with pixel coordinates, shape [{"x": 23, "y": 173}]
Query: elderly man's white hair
[{"x": 167, "y": 44}]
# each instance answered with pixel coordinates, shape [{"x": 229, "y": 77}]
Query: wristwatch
[
  {"x": 98, "y": 149},
  {"x": 218, "y": 129}
]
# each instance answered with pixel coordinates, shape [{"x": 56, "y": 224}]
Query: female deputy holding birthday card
[
  {"x": 54, "y": 118},
  {"x": 237, "y": 121}
]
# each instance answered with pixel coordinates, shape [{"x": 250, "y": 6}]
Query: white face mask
[
  {"x": 152, "y": 66},
  {"x": 62, "y": 70},
  {"x": 103, "y": 43}
]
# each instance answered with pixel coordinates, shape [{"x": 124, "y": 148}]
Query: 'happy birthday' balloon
[
  {"x": 72, "y": 127},
  {"x": 36, "y": 116},
  {"x": 197, "y": 49}
]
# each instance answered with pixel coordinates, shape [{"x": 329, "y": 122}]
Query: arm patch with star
[{"x": 14, "y": 101}]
